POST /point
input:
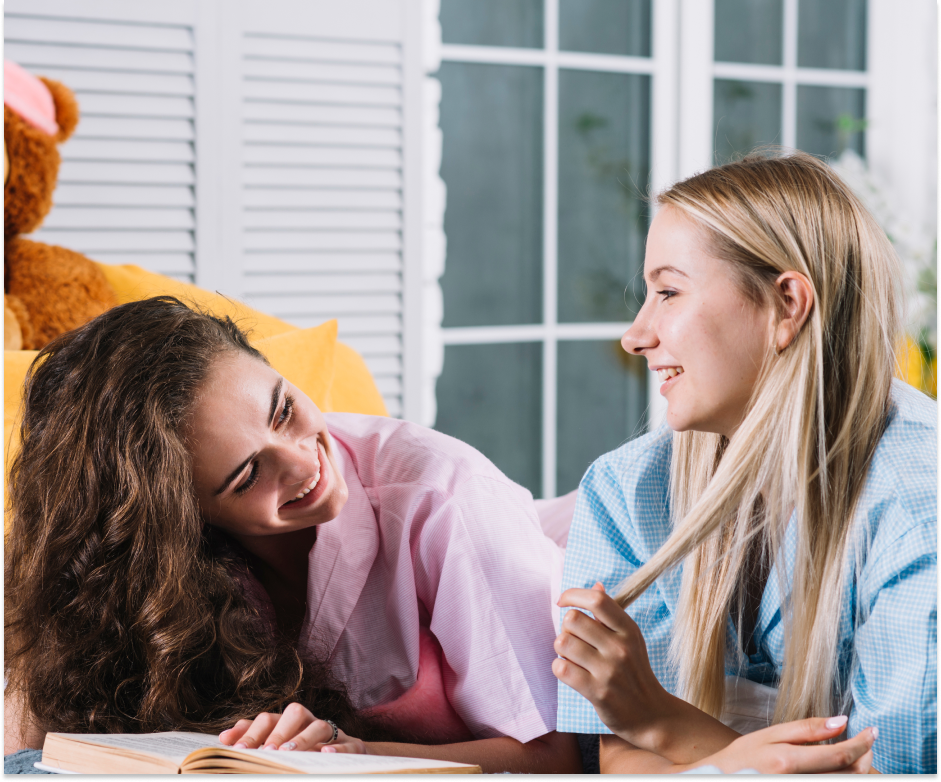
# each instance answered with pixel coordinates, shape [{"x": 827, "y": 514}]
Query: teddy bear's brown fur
[{"x": 48, "y": 290}]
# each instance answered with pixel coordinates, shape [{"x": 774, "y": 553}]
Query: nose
[
  {"x": 641, "y": 335},
  {"x": 297, "y": 462}
]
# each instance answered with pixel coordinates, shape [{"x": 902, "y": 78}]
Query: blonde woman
[{"x": 774, "y": 545}]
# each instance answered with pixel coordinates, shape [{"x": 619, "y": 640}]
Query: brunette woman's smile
[{"x": 263, "y": 460}]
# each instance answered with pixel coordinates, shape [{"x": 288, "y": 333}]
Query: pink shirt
[{"x": 436, "y": 562}]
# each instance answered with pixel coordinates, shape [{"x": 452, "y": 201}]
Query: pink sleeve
[{"x": 485, "y": 572}]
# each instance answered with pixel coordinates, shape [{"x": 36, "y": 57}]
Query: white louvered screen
[
  {"x": 126, "y": 186},
  {"x": 270, "y": 151},
  {"x": 322, "y": 199}
]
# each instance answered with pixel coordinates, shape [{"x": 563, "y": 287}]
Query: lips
[{"x": 314, "y": 489}]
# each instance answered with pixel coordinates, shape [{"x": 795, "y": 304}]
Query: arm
[
  {"x": 297, "y": 729},
  {"x": 605, "y": 660},
  {"x": 780, "y": 749},
  {"x": 18, "y": 733}
]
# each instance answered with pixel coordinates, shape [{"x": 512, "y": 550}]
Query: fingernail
[
  {"x": 289, "y": 745},
  {"x": 241, "y": 745},
  {"x": 331, "y": 749},
  {"x": 836, "y": 722},
  {"x": 270, "y": 746},
  {"x": 875, "y": 732}
]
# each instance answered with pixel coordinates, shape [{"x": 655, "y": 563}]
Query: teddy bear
[{"x": 48, "y": 290}]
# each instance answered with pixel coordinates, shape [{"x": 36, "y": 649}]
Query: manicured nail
[
  {"x": 270, "y": 746},
  {"x": 875, "y": 732},
  {"x": 289, "y": 745},
  {"x": 328, "y": 749},
  {"x": 836, "y": 722},
  {"x": 241, "y": 745}
]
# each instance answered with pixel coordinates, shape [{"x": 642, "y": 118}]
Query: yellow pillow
[
  {"x": 332, "y": 374},
  {"x": 132, "y": 283}
]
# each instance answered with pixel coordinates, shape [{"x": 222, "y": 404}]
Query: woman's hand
[
  {"x": 779, "y": 749},
  {"x": 295, "y": 729},
  {"x": 605, "y": 660}
]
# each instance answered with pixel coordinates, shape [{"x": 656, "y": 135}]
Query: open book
[{"x": 198, "y": 753}]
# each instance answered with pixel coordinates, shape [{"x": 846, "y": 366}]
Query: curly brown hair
[{"x": 124, "y": 610}]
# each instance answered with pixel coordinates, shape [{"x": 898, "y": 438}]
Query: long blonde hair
[{"x": 808, "y": 435}]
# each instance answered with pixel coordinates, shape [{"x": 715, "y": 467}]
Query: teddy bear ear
[{"x": 66, "y": 108}]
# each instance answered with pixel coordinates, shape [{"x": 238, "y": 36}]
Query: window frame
[{"x": 661, "y": 67}]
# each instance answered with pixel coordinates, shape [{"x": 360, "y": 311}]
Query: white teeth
[
  {"x": 666, "y": 374},
  {"x": 304, "y": 492}
]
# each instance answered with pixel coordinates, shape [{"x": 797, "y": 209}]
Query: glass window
[
  {"x": 604, "y": 167},
  {"x": 605, "y": 26},
  {"x": 749, "y": 31},
  {"x": 746, "y": 114},
  {"x": 492, "y": 121},
  {"x": 491, "y": 397},
  {"x": 492, "y": 22},
  {"x": 832, "y": 34},
  {"x": 602, "y": 404},
  {"x": 831, "y": 120}
]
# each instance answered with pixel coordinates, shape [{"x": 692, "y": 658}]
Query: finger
[
  {"x": 589, "y": 630},
  {"x": 574, "y": 676},
  {"x": 600, "y": 604},
  {"x": 599, "y": 586},
  {"x": 315, "y": 735},
  {"x": 861, "y": 766},
  {"x": 234, "y": 733},
  {"x": 256, "y": 734},
  {"x": 294, "y": 719},
  {"x": 832, "y": 757},
  {"x": 805, "y": 731},
  {"x": 573, "y": 648},
  {"x": 349, "y": 747}
]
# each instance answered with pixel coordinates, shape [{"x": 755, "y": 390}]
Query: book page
[
  {"x": 336, "y": 763},
  {"x": 173, "y": 745}
]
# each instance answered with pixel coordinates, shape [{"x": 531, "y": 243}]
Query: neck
[{"x": 282, "y": 559}]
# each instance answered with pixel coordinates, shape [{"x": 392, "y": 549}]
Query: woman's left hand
[
  {"x": 605, "y": 660},
  {"x": 295, "y": 729}
]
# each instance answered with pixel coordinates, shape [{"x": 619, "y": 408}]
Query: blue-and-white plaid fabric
[{"x": 889, "y": 622}]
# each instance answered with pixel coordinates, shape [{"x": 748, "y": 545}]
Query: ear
[
  {"x": 796, "y": 295},
  {"x": 66, "y": 108}
]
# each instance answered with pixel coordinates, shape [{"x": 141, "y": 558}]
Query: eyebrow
[
  {"x": 275, "y": 398},
  {"x": 656, "y": 272}
]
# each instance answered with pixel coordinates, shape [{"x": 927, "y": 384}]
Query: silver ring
[{"x": 336, "y": 731}]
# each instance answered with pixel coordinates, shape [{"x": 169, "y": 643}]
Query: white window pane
[
  {"x": 605, "y": 26},
  {"x": 602, "y": 404},
  {"x": 604, "y": 170},
  {"x": 491, "y": 397},
  {"x": 830, "y": 120},
  {"x": 492, "y": 119},
  {"x": 493, "y": 22},
  {"x": 746, "y": 114},
  {"x": 749, "y": 31},
  {"x": 832, "y": 34}
]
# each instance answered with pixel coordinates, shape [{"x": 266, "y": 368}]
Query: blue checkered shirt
[{"x": 889, "y": 622}]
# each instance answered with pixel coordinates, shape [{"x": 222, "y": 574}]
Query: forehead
[
  {"x": 676, "y": 243},
  {"x": 238, "y": 387}
]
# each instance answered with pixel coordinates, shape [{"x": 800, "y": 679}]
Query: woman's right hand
[
  {"x": 295, "y": 729},
  {"x": 781, "y": 749}
]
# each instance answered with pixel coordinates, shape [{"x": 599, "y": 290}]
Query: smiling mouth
[
  {"x": 310, "y": 486},
  {"x": 668, "y": 372}
]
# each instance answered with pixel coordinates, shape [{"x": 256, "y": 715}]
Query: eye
[
  {"x": 667, "y": 294},
  {"x": 250, "y": 481},
  {"x": 286, "y": 412}
]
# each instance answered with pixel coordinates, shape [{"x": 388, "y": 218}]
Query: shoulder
[
  {"x": 636, "y": 475},
  {"x": 389, "y": 451},
  {"x": 623, "y": 500},
  {"x": 901, "y": 486}
]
